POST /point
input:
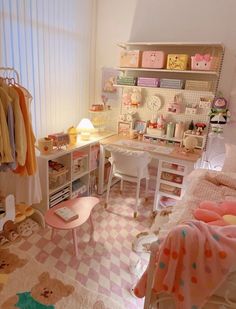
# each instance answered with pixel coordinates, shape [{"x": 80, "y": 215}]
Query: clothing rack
[{"x": 10, "y": 73}]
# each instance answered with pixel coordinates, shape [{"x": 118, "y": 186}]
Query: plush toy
[
  {"x": 44, "y": 294},
  {"x": 136, "y": 97},
  {"x": 200, "y": 126},
  {"x": 213, "y": 213},
  {"x": 219, "y": 114}
]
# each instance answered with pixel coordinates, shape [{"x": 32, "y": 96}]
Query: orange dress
[{"x": 30, "y": 162}]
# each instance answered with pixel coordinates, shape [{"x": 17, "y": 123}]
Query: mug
[{"x": 45, "y": 145}]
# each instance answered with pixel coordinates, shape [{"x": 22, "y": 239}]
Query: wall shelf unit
[{"x": 199, "y": 83}]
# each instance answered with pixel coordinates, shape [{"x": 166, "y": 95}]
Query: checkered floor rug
[{"x": 104, "y": 260}]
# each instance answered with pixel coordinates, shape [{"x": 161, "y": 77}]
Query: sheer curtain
[{"x": 49, "y": 43}]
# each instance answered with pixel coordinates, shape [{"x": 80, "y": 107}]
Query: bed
[{"x": 202, "y": 186}]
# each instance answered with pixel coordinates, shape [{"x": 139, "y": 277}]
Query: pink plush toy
[{"x": 213, "y": 213}]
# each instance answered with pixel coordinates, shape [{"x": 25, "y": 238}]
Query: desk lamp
[{"x": 85, "y": 128}]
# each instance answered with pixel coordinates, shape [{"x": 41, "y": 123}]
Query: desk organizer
[
  {"x": 148, "y": 82},
  {"x": 155, "y": 132},
  {"x": 153, "y": 59},
  {"x": 177, "y": 62},
  {"x": 130, "y": 59}
]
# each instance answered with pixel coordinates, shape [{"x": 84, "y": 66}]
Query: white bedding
[{"x": 200, "y": 189}]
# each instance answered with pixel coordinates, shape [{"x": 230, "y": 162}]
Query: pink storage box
[
  {"x": 153, "y": 59},
  {"x": 130, "y": 58},
  {"x": 201, "y": 62},
  {"x": 148, "y": 81}
]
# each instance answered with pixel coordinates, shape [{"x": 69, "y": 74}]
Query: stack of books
[{"x": 66, "y": 214}]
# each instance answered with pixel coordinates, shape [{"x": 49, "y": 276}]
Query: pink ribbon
[{"x": 206, "y": 57}]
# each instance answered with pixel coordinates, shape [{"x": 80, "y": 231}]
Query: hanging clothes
[
  {"x": 19, "y": 127},
  {"x": 5, "y": 146},
  {"x": 22, "y": 180},
  {"x": 6, "y": 102},
  {"x": 30, "y": 163}
]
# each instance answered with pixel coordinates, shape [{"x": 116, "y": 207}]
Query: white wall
[
  {"x": 168, "y": 20},
  {"x": 114, "y": 22}
]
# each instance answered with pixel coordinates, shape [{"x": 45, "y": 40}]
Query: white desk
[{"x": 174, "y": 156}]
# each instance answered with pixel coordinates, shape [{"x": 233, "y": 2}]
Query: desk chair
[{"x": 128, "y": 165}]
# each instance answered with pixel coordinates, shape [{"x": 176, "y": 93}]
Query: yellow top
[
  {"x": 5, "y": 146},
  {"x": 20, "y": 135}
]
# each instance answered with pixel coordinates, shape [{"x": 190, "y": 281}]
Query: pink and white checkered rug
[{"x": 103, "y": 261}]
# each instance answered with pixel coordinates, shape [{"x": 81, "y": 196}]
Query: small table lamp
[{"x": 85, "y": 128}]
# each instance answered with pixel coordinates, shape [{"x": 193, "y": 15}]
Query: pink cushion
[
  {"x": 206, "y": 215},
  {"x": 218, "y": 222},
  {"x": 229, "y": 207},
  {"x": 212, "y": 206}
]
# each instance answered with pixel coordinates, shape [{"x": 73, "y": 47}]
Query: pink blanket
[{"x": 191, "y": 262}]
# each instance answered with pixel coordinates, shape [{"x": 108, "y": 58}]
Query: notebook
[{"x": 66, "y": 214}]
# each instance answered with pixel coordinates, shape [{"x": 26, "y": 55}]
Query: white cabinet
[{"x": 68, "y": 174}]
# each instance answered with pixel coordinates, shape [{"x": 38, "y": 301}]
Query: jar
[
  {"x": 45, "y": 145},
  {"x": 179, "y": 130},
  {"x": 133, "y": 134},
  {"x": 72, "y": 135},
  {"x": 170, "y": 129}
]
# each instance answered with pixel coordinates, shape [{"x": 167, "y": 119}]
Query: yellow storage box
[{"x": 177, "y": 62}]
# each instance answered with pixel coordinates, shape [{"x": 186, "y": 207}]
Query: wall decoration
[
  {"x": 153, "y": 103},
  {"x": 124, "y": 127},
  {"x": 140, "y": 126},
  {"x": 109, "y": 76}
]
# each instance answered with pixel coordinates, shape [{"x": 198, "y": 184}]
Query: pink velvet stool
[{"x": 82, "y": 206}]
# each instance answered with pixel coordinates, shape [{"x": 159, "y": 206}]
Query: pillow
[{"x": 230, "y": 158}]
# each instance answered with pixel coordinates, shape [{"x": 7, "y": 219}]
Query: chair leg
[
  {"x": 121, "y": 185},
  {"x": 109, "y": 186},
  {"x": 137, "y": 198},
  {"x": 146, "y": 190}
]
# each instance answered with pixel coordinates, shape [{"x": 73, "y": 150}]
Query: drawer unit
[{"x": 59, "y": 196}]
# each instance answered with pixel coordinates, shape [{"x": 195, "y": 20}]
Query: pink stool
[{"x": 82, "y": 206}]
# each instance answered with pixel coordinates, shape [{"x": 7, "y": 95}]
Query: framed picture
[
  {"x": 140, "y": 126},
  {"x": 124, "y": 127}
]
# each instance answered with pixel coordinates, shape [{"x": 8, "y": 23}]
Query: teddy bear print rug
[{"x": 26, "y": 284}]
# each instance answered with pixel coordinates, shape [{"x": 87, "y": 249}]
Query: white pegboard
[{"x": 189, "y": 97}]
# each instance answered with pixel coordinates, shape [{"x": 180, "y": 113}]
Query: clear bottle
[{"x": 170, "y": 129}]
